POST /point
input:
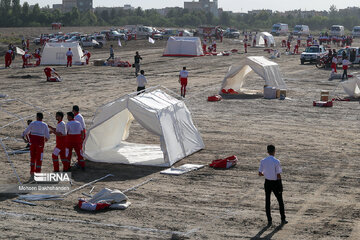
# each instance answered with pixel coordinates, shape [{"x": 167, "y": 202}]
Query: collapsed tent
[
  {"x": 55, "y": 53},
  {"x": 260, "y": 39},
  {"x": 183, "y": 47},
  {"x": 352, "y": 87},
  {"x": 268, "y": 70},
  {"x": 157, "y": 112}
]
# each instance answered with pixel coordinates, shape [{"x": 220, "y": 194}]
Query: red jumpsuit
[
  {"x": 88, "y": 55},
  {"x": 61, "y": 149},
  {"x": 288, "y": 46},
  {"x": 8, "y": 58},
  {"x": 296, "y": 49},
  {"x": 48, "y": 72},
  {"x": 38, "y": 131},
  {"x": 74, "y": 141}
]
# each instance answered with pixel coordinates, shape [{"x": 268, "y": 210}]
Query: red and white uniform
[
  {"x": 183, "y": 81},
  {"x": 74, "y": 141},
  {"x": 48, "y": 72},
  {"x": 288, "y": 45},
  {"x": 214, "y": 46},
  {"x": 299, "y": 41},
  {"x": 80, "y": 119},
  {"x": 25, "y": 58},
  {"x": 296, "y": 49},
  {"x": 61, "y": 148},
  {"x": 8, "y": 58},
  {"x": 345, "y": 64},
  {"x": 37, "y": 56},
  {"x": 333, "y": 64},
  {"x": 69, "y": 56},
  {"x": 204, "y": 46},
  {"x": 38, "y": 131},
  {"x": 87, "y": 56}
]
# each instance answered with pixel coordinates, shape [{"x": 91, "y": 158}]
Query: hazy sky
[{"x": 233, "y": 5}]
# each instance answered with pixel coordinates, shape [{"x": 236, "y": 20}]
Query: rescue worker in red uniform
[
  {"x": 288, "y": 46},
  {"x": 37, "y": 56},
  {"x": 87, "y": 56},
  {"x": 75, "y": 136},
  {"x": 49, "y": 74},
  {"x": 183, "y": 79},
  {"x": 38, "y": 133},
  {"x": 204, "y": 46},
  {"x": 78, "y": 117},
  {"x": 296, "y": 49},
  {"x": 69, "y": 56},
  {"x": 8, "y": 58},
  {"x": 245, "y": 44},
  {"x": 61, "y": 147}
]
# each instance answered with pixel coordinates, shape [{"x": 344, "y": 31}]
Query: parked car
[
  {"x": 231, "y": 33},
  {"x": 348, "y": 51},
  {"x": 313, "y": 53}
]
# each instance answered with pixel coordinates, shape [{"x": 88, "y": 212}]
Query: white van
[
  {"x": 301, "y": 30},
  {"x": 337, "y": 30},
  {"x": 140, "y": 30},
  {"x": 280, "y": 29},
  {"x": 356, "y": 31}
]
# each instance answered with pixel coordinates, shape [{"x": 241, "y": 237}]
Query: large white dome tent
[{"x": 55, "y": 53}]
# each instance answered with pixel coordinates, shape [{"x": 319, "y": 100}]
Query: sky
[{"x": 228, "y": 5}]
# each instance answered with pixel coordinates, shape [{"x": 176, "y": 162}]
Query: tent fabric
[
  {"x": 156, "y": 111},
  {"x": 268, "y": 70},
  {"x": 352, "y": 87},
  {"x": 260, "y": 39},
  {"x": 55, "y": 53},
  {"x": 183, "y": 47}
]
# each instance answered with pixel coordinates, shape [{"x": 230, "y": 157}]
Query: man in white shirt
[
  {"x": 75, "y": 136},
  {"x": 60, "y": 148},
  {"x": 78, "y": 117},
  {"x": 183, "y": 80},
  {"x": 345, "y": 66},
  {"x": 141, "y": 82},
  {"x": 38, "y": 134},
  {"x": 69, "y": 56},
  {"x": 270, "y": 168}
]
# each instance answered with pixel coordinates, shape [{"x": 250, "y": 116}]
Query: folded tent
[
  {"x": 268, "y": 70},
  {"x": 352, "y": 87},
  {"x": 157, "y": 112},
  {"x": 183, "y": 47},
  {"x": 55, "y": 53}
]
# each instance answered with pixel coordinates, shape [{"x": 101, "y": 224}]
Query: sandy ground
[{"x": 318, "y": 149}]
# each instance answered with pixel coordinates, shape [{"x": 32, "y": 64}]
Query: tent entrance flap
[{"x": 133, "y": 153}]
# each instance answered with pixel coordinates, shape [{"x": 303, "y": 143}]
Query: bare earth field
[{"x": 318, "y": 149}]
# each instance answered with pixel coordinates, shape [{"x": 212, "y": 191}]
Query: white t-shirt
[
  {"x": 81, "y": 120},
  {"x": 184, "y": 74},
  {"x": 346, "y": 62},
  {"x": 334, "y": 60},
  {"x": 61, "y": 128},
  {"x": 141, "y": 80},
  {"x": 74, "y": 127},
  {"x": 69, "y": 53},
  {"x": 270, "y": 167},
  {"x": 37, "y": 128}
]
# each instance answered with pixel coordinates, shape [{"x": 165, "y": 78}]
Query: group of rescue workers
[{"x": 69, "y": 136}]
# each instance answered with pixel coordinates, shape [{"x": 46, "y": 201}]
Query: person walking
[
  {"x": 137, "y": 59},
  {"x": 75, "y": 136},
  {"x": 270, "y": 168},
  {"x": 345, "y": 66},
  {"x": 111, "y": 53},
  {"x": 38, "y": 133},
  {"x": 69, "y": 56},
  {"x": 183, "y": 79},
  {"x": 141, "y": 82}
]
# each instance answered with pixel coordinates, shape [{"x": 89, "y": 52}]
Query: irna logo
[{"x": 52, "y": 177}]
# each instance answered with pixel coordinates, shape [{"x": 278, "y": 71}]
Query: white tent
[
  {"x": 268, "y": 70},
  {"x": 260, "y": 39},
  {"x": 55, "y": 53},
  {"x": 352, "y": 87},
  {"x": 157, "y": 112},
  {"x": 183, "y": 47}
]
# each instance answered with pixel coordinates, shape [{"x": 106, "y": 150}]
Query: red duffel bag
[{"x": 224, "y": 163}]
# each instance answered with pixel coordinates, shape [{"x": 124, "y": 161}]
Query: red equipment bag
[
  {"x": 224, "y": 163},
  {"x": 214, "y": 98},
  {"x": 322, "y": 104}
]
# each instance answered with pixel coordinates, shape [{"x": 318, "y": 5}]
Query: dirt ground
[{"x": 318, "y": 149}]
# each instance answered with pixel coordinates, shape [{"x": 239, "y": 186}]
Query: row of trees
[{"x": 13, "y": 14}]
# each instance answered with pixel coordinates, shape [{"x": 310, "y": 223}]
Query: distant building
[
  {"x": 165, "y": 11},
  {"x": 68, "y": 5},
  {"x": 204, "y": 5},
  {"x": 128, "y": 7},
  {"x": 84, "y": 5}
]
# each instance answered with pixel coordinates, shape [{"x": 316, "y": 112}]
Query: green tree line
[{"x": 13, "y": 14}]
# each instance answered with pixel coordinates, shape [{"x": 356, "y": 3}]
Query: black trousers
[
  {"x": 140, "y": 90},
  {"x": 276, "y": 188},
  {"x": 345, "y": 74}
]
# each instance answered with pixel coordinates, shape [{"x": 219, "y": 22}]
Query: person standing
[
  {"x": 141, "y": 82},
  {"x": 270, "y": 168},
  {"x": 183, "y": 80},
  {"x": 334, "y": 63},
  {"x": 86, "y": 55},
  {"x": 38, "y": 134},
  {"x": 75, "y": 136},
  {"x": 137, "y": 59},
  {"x": 60, "y": 148},
  {"x": 69, "y": 56},
  {"x": 345, "y": 66},
  {"x": 245, "y": 44},
  {"x": 78, "y": 117},
  {"x": 8, "y": 58},
  {"x": 111, "y": 53}
]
